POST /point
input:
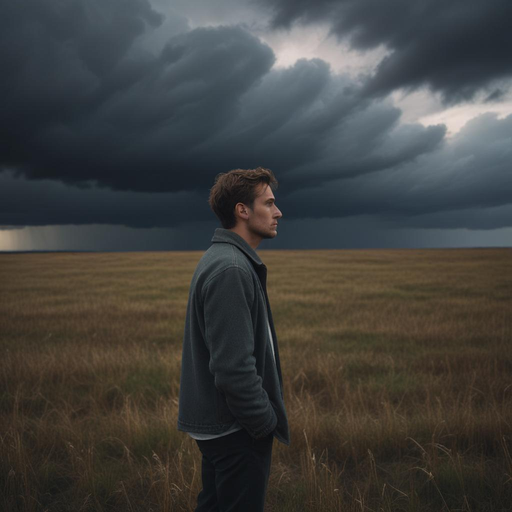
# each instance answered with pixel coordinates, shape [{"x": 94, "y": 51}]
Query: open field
[{"x": 397, "y": 369}]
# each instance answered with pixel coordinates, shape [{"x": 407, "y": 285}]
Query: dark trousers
[{"x": 235, "y": 471}]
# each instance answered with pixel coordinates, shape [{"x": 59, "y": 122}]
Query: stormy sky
[{"x": 387, "y": 124}]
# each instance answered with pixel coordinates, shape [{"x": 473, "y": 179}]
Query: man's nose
[{"x": 278, "y": 213}]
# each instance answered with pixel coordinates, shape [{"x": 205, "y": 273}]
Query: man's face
[{"x": 264, "y": 214}]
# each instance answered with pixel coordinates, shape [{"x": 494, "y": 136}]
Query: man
[{"x": 231, "y": 398}]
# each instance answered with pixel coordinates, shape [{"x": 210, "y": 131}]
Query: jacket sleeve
[{"x": 228, "y": 298}]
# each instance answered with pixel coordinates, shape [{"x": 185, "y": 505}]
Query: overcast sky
[{"x": 387, "y": 123}]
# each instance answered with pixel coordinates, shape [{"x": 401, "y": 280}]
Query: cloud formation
[
  {"x": 472, "y": 171},
  {"x": 47, "y": 202},
  {"x": 114, "y": 114},
  {"x": 441, "y": 188},
  {"x": 120, "y": 117},
  {"x": 455, "y": 47},
  {"x": 130, "y": 120}
]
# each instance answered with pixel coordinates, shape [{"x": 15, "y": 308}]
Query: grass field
[{"x": 397, "y": 371}]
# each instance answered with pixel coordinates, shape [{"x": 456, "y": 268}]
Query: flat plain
[{"x": 397, "y": 370}]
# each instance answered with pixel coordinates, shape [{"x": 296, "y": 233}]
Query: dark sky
[{"x": 388, "y": 124}]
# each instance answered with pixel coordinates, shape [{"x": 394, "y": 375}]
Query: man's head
[{"x": 244, "y": 200}]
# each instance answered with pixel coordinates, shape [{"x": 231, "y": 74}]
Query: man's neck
[{"x": 252, "y": 239}]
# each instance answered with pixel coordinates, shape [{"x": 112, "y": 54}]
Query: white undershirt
[{"x": 236, "y": 426}]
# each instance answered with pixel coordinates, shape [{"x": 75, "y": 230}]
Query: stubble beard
[{"x": 265, "y": 235}]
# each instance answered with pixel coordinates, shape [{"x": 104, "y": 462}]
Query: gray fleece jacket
[{"x": 228, "y": 370}]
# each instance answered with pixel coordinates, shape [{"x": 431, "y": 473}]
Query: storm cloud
[
  {"x": 471, "y": 171},
  {"x": 47, "y": 202},
  {"x": 127, "y": 119},
  {"x": 114, "y": 113},
  {"x": 448, "y": 179},
  {"x": 455, "y": 47},
  {"x": 130, "y": 120}
]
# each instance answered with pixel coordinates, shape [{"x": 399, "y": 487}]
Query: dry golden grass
[{"x": 397, "y": 368}]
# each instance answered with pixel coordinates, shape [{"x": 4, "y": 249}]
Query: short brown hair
[{"x": 237, "y": 186}]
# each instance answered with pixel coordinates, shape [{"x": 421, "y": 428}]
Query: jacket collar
[{"x": 229, "y": 237}]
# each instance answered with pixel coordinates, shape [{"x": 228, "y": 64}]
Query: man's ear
[{"x": 241, "y": 211}]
